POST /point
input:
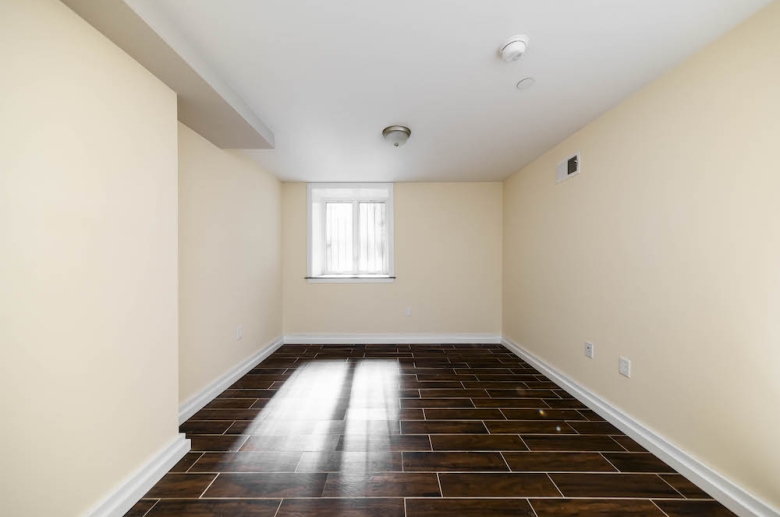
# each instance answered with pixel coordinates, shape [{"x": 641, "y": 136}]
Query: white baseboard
[
  {"x": 195, "y": 403},
  {"x": 122, "y": 498},
  {"x": 390, "y": 338},
  {"x": 732, "y": 496}
]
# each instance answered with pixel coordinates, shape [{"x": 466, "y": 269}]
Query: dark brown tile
[
  {"x": 452, "y": 393},
  {"x": 595, "y": 428},
  {"x": 291, "y": 443},
  {"x": 574, "y": 443},
  {"x": 215, "y": 508},
  {"x": 463, "y": 414},
  {"x": 495, "y": 385},
  {"x": 591, "y": 415},
  {"x": 386, "y": 484},
  {"x": 384, "y": 414},
  {"x": 528, "y": 427},
  {"x": 594, "y": 508},
  {"x": 443, "y": 427},
  {"x": 140, "y": 508},
  {"x": 520, "y": 393},
  {"x": 497, "y": 485},
  {"x": 445, "y": 377},
  {"x": 685, "y": 487},
  {"x": 613, "y": 485},
  {"x": 557, "y": 462},
  {"x": 629, "y": 444},
  {"x": 694, "y": 509},
  {"x": 419, "y": 385},
  {"x": 248, "y": 394},
  {"x": 233, "y": 403},
  {"x": 205, "y": 426},
  {"x": 436, "y": 403},
  {"x": 453, "y": 461},
  {"x": 180, "y": 485},
  {"x": 637, "y": 462},
  {"x": 541, "y": 414},
  {"x": 468, "y": 508},
  {"x": 227, "y": 414},
  {"x": 186, "y": 462},
  {"x": 352, "y": 462},
  {"x": 342, "y": 508},
  {"x": 512, "y": 377},
  {"x": 266, "y": 485},
  {"x": 247, "y": 462},
  {"x": 251, "y": 382},
  {"x": 401, "y": 442},
  {"x": 565, "y": 404},
  {"x": 211, "y": 442},
  {"x": 510, "y": 403},
  {"x": 477, "y": 442}
]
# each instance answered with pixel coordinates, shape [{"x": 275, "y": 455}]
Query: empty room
[{"x": 416, "y": 258}]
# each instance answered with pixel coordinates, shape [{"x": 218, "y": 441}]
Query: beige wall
[
  {"x": 447, "y": 260},
  {"x": 88, "y": 262},
  {"x": 665, "y": 250},
  {"x": 230, "y": 267}
]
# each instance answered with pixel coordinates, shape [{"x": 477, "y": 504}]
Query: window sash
[{"x": 353, "y": 259}]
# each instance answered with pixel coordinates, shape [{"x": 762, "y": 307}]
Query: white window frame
[{"x": 390, "y": 277}]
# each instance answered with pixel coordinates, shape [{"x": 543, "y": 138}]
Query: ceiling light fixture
[
  {"x": 513, "y": 48},
  {"x": 397, "y": 135}
]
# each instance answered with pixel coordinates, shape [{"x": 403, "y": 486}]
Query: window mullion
[{"x": 355, "y": 238}]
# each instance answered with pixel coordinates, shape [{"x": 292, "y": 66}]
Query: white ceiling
[{"x": 328, "y": 76}]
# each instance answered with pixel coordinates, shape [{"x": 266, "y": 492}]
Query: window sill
[{"x": 335, "y": 279}]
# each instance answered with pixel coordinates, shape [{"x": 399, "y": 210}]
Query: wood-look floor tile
[
  {"x": 140, "y": 508},
  {"x": 453, "y": 461},
  {"x": 591, "y": 415},
  {"x": 443, "y": 427},
  {"x": 685, "y": 487},
  {"x": 232, "y": 403},
  {"x": 266, "y": 485},
  {"x": 694, "y": 509},
  {"x": 595, "y": 428},
  {"x": 251, "y": 382},
  {"x": 436, "y": 403},
  {"x": 186, "y": 462},
  {"x": 342, "y": 508},
  {"x": 541, "y": 414},
  {"x": 180, "y": 485},
  {"x": 575, "y": 443},
  {"x": 384, "y": 414},
  {"x": 495, "y": 385},
  {"x": 211, "y": 442},
  {"x": 613, "y": 485},
  {"x": 489, "y": 377},
  {"x": 637, "y": 462},
  {"x": 401, "y": 442},
  {"x": 565, "y": 404},
  {"x": 485, "y": 371},
  {"x": 351, "y": 462},
  {"x": 468, "y": 508},
  {"x": 629, "y": 444},
  {"x": 463, "y": 414},
  {"x": 205, "y": 426},
  {"x": 511, "y": 403},
  {"x": 248, "y": 394},
  {"x": 497, "y": 485},
  {"x": 445, "y": 377},
  {"x": 477, "y": 442},
  {"x": 419, "y": 385},
  {"x": 452, "y": 393},
  {"x": 528, "y": 427},
  {"x": 557, "y": 462},
  {"x": 228, "y": 414},
  {"x": 215, "y": 508},
  {"x": 302, "y": 443},
  {"x": 594, "y": 508},
  {"x": 388, "y": 484},
  {"x": 247, "y": 462}
]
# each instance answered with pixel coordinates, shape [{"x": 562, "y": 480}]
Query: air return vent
[{"x": 568, "y": 168}]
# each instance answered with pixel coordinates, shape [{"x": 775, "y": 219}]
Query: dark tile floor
[{"x": 415, "y": 430}]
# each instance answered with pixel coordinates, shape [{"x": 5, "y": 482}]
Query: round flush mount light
[
  {"x": 513, "y": 48},
  {"x": 525, "y": 83},
  {"x": 397, "y": 135}
]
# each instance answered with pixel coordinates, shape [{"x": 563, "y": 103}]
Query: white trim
[
  {"x": 732, "y": 496},
  {"x": 351, "y": 280},
  {"x": 195, "y": 403},
  {"x": 390, "y": 338},
  {"x": 130, "y": 491}
]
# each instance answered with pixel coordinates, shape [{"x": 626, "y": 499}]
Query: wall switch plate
[
  {"x": 408, "y": 311},
  {"x": 239, "y": 332},
  {"x": 625, "y": 367},
  {"x": 589, "y": 349}
]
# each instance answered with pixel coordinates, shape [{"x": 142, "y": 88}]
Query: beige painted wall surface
[
  {"x": 665, "y": 250},
  {"x": 447, "y": 260},
  {"x": 88, "y": 262},
  {"x": 230, "y": 267}
]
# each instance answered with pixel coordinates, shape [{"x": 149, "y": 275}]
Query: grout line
[
  {"x": 194, "y": 462},
  {"x": 659, "y": 508},
  {"x": 278, "y": 507},
  {"x": 673, "y": 488},
  {"x": 150, "y": 508},
  {"x": 212, "y": 482},
  {"x": 619, "y": 444},
  {"x": 404, "y": 506},
  {"x": 509, "y": 469},
  {"x": 532, "y": 508},
  {"x": 607, "y": 460},
  {"x": 438, "y": 480},
  {"x": 553, "y": 482}
]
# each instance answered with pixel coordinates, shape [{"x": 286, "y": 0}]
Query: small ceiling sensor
[
  {"x": 525, "y": 83},
  {"x": 397, "y": 135},
  {"x": 513, "y": 48}
]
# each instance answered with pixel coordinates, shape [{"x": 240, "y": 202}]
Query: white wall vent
[{"x": 568, "y": 168}]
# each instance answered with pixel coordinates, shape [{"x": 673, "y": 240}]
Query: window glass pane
[
  {"x": 373, "y": 247},
  {"x": 338, "y": 238}
]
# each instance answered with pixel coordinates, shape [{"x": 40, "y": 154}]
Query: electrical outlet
[
  {"x": 625, "y": 367},
  {"x": 589, "y": 349},
  {"x": 408, "y": 311},
  {"x": 239, "y": 332}
]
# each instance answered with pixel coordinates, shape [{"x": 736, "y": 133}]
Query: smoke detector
[
  {"x": 397, "y": 135},
  {"x": 513, "y": 48}
]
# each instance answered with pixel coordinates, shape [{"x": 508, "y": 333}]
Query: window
[{"x": 350, "y": 232}]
